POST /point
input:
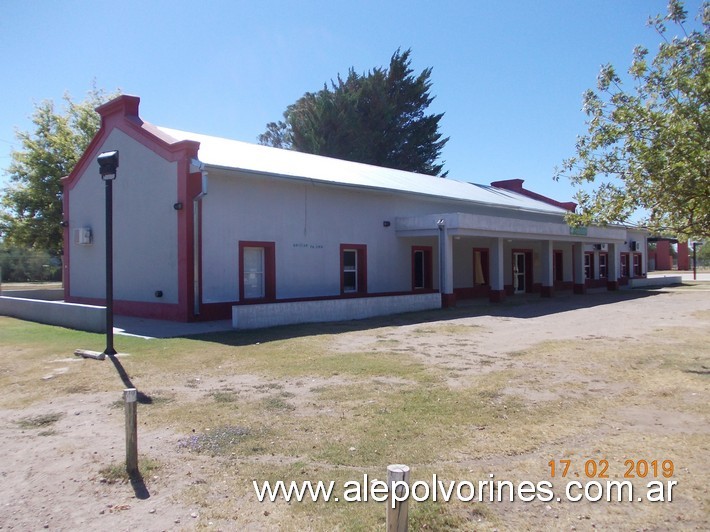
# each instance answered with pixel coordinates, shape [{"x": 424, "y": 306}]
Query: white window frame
[
  {"x": 255, "y": 278},
  {"x": 350, "y": 270}
]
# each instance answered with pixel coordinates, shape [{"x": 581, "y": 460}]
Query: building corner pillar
[{"x": 578, "y": 266}]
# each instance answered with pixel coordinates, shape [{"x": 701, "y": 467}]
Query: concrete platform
[
  {"x": 145, "y": 328},
  {"x": 656, "y": 281},
  {"x": 686, "y": 275}
]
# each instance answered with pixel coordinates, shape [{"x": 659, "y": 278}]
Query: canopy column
[
  {"x": 613, "y": 267},
  {"x": 546, "y": 262},
  {"x": 497, "y": 293}
]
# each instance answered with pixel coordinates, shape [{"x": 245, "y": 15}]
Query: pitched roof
[{"x": 235, "y": 155}]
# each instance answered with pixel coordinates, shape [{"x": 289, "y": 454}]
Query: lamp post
[
  {"x": 108, "y": 163},
  {"x": 441, "y": 224}
]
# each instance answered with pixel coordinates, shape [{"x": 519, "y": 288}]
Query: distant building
[{"x": 209, "y": 228}]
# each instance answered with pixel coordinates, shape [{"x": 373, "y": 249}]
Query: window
[
  {"x": 350, "y": 270},
  {"x": 353, "y": 269},
  {"x": 624, "y": 258},
  {"x": 589, "y": 265},
  {"x": 637, "y": 265},
  {"x": 253, "y": 273},
  {"x": 603, "y": 258},
  {"x": 257, "y": 270},
  {"x": 558, "y": 266},
  {"x": 421, "y": 268}
]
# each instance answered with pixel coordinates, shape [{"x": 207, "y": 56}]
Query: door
[{"x": 519, "y": 272}]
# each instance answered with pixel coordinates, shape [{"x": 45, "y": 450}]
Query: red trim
[
  {"x": 349, "y": 295},
  {"x": 516, "y": 185},
  {"x": 472, "y": 292},
  {"x": 139, "y": 309},
  {"x": 269, "y": 270},
  {"x": 428, "y": 267},
  {"x": 448, "y": 300},
  {"x": 361, "y": 268},
  {"x": 185, "y": 240},
  {"x": 496, "y": 296},
  {"x": 563, "y": 285},
  {"x": 547, "y": 291},
  {"x": 122, "y": 113}
]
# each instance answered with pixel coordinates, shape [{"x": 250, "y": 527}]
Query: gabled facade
[{"x": 209, "y": 228}]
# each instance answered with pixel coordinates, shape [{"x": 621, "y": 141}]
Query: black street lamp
[{"x": 108, "y": 163}]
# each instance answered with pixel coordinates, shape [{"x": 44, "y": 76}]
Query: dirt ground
[{"x": 53, "y": 480}]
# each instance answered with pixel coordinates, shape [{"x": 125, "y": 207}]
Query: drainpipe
[{"x": 197, "y": 166}]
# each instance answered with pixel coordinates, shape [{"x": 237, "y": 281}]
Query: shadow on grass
[
  {"x": 520, "y": 306},
  {"x": 141, "y": 397}
]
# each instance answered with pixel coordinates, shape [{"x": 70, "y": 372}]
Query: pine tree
[{"x": 376, "y": 118}]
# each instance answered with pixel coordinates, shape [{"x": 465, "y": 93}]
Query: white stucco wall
[
  {"x": 308, "y": 222},
  {"x": 144, "y": 227},
  {"x": 273, "y": 314},
  {"x": 638, "y": 236}
]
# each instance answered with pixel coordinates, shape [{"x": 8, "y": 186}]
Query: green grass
[
  {"x": 39, "y": 422},
  {"x": 117, "y": 472},
  {"x": 261, "y": 405}
]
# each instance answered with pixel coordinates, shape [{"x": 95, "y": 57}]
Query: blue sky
[{"x": 508, "y": 75}]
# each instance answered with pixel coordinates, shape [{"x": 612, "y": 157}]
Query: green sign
[{"x": 579, "y": 231}]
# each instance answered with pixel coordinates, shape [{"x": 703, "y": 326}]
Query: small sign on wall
[{"x": 307, "y": 246}]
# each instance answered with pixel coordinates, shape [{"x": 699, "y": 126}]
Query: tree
[
  {"x": 22, "y": 265},
  {"x": 650, "y": 143},
  {"x": 376, "y": 118},
  {"x": 702, "y": 254},
  {"x": 32, "y": 205}
]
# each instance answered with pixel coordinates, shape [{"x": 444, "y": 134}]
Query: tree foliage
[
  {"x": 376, "y": 118},
  {"x": 22, "y": 265},
  {"x": 31, "y": 205},
  {"x": 702, "y": 255},
  {"x": 649, "y": 145}
]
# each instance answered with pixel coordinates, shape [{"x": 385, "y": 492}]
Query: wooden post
[
  {"x": 397, "y": 507},
  {"x": 130, "y": 396}
]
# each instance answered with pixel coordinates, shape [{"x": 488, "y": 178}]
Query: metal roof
[{"x": 236, "y": 155}]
